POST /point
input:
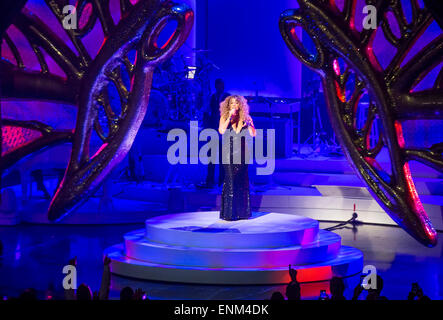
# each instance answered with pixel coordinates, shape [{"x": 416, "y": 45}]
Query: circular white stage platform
[{"x": 198, "y": 247}]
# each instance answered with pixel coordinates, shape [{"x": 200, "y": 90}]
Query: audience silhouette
[
  {"x": 277, "y": 295},
  {"x": 416, "y": 293},
  {"x": 337, "y": 288},
  {"x": 293, "y": 289},
  {"x": 373, "y": 293}
]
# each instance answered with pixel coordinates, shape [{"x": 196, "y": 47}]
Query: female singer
[{"x": 234, "y": 120}]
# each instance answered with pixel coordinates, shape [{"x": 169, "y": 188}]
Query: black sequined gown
[{"x": 235, "y": 203}]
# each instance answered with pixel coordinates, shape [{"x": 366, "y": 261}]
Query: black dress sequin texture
[{"x": 235, "y": 202}]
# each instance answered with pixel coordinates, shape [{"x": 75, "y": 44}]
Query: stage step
[
  {"x": 349, "y": 262},
  {"x": 424, "y": 185},
  {"x": 325, "y": 248},
  {"x": 200, "y": 247}
]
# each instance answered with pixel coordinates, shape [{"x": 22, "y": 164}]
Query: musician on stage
[{"x": 211, "y": 120}]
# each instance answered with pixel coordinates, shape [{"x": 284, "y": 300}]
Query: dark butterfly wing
[
  {"x": 126, "y": 61},
  {"x": 436, "y": 9},
  {"x": 351, "y": 71}
]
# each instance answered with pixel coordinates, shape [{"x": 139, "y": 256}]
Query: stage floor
[{"x": 34, "y": 256}]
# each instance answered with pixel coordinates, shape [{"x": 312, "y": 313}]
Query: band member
[{"x": 211, "y": 121}]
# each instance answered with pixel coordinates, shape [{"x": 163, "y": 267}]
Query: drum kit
[{"x": 180, "y": 89}]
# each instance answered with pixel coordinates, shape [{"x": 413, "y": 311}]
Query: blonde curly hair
[{"x": 244, "y": 108}]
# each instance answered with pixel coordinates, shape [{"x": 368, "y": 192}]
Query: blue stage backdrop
[{"x": 245, "y": 43}]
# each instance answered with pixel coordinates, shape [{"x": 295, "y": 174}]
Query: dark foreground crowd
[{"x": 336, "y": 289}]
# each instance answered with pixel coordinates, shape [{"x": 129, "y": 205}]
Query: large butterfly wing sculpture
[
  {"x": 349, "y": 69},
  {"x": 130, "y": 49}
]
